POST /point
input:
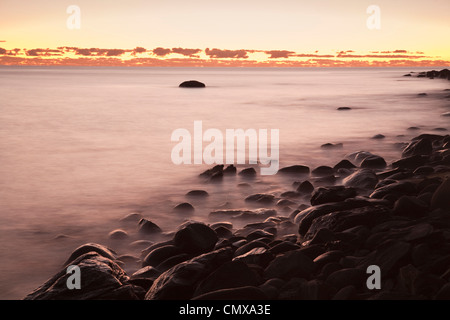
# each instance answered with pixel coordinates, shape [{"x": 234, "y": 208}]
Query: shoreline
[{"x": 321, "y": 252}]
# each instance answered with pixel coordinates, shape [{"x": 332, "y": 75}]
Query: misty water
[{"x": 82, "y": 147}]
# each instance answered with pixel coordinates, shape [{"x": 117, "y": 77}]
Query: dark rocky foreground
[{"x": 395, "y": 216}]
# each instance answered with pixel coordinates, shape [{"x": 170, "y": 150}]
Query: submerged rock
[
  {"x": 192, "y": 84},
  {"x": 195, "y": 238},
  {"x": 295, "y": 170}
]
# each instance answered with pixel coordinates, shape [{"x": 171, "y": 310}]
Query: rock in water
[
  {"x": 192, "y": 84},
  {"x": 196, "y": 238},
  {"x": 332, "y": 194},
  {"x": 100, "y": 278},
  {"x": 91, "y": 247},
  {"x": 290, "y": 265},
  {"x": 364, "y": 179},
  {"x": 148, "y": 227}
]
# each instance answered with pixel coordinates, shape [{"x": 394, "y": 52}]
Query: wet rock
[
  {"x": 261, "y": 198},
  {"x": 242, "y": 293},
  {"x": 374, "y": 162},
  {"x": 146, "y": 272},
  {"x": 184, "y": 207},
  {"x": 347, "y": 277},
  {"x": 305, "y": 187},
  {"x": 118, "y": 235},
  {"x": 100, "y": 278},
  {"x": 378, "y": 137},
  {"x": 411, "y": 162},
  {"x": 423, "y": 170},
  {"x": 261, "y": 213},
  {"x": 148, "y": 227},
  {"x": 295, "y": 170},
  {"x": 256, "y": 256},
  {"x": 332, "y": 194},
  {"x": 344, "y": 164},
  {"x": 344, "y": 108},
  {"x": 195, "y": 238},
  {"x": 192, "y": 84},
  {"x": 444, "y": 292},
  {"x": 258, "y": 234},
  {"x": 446, "y": 114},
  {"x": 132, "y": 217},
  {"x": 289, "y": 265},
  {"x": 197, "y": 193},
  {"x": 361, "y": 179},
  {"x": 418, "y": 147},
  {"x": 158, "y": 255},
  {"x": 339, "y": 221},
  {"x": 233, "y": 274},
  {"x": 230, "y": 170},
  {"x": 89, "y": 247},
  {"x": 398, "y": 188},
  {"x": 210, "y": 172},
  {"x": 283, "y": 246},
  {"x": 178, "y": 283},
  {"x": 441, "y": 198},
  {"x": 249, "y": 246},
  {"x": 322, "y": 171},
  {"x": 223, "y": 232},
  {"x": 411, "y": 207},
  {"x": 248, "y": 173},
  {"x": 332, "y": 145},
  {"x": 285, "y": 203},
  {"x": 327, "y": 257}
]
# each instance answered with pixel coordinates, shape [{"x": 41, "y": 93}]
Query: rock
[
  {"x": 178, "y": 283},
  {"x": 223, "y": 232},
  {"x": 283, "y": 246},
  {"x": 378, "y": 137},
  {"x": 249, "y": 246},
  {"x": 132, "y": 218},
  {"x": 323, "y": 171},
  {"x": 398, "y": 188},
  {"x": 224, "y": 224},
  {"x": 158, "y": 255},
  {"x": 148, "y": 227},
  {"x": 422, "y": 94},
  {"x": 346, "y": 293},
  {"x": 444, "y": 292},
  {"x": 118, "y": 235},
  {"x": 285, "y": 202},
  {"x": 258, "y": 234},
  {"x": 230, "y": 170},
  {"x": 217, "y": 169},
  {"x": 173, "y": 261},
  {"x": 332, "y": 194},
  {"x": 184, "y": 207},
  {"x": 294, "y": 170},
  {"x": 305, "y": 217},
  {"x": 359, "y": 156},
  {"x": 344, "y": 108},
  {"x": 289, "y": 265},
  {"x": 327, "y": 257},
  {"x": 408, "y": 206},
  {"x": 242, "y": 293},
  {"x": 146, "y": 272},
  {"x": 331, "y": 145},
  {"x": 411, "y": 162},
  {"x": 418, "y": 147},
  {"x": 413, "y": 128},
  {"x": 373, "y": 162},
  {"x": 305, "y": 187},
  {"x": 446, "y": 114},
  {"x": 101, "y": 278},
  {"x": 344, "y": 164},
  {"x": 192, "y": 84},
  {"x": 197, "y": 193},
  {"x": 423, "y": 170},
  {"x": 91, "y": 247},
  {"x": 256, "y": 256},
  {"x": 361, "y": 179},
  {"x": 244, "y": 213},
  {"x": 347, "y": 277},
  {"x": 248, "y": 173},
  {"x": 195, "y": 238},
  {"x": 232, "y": 274},
  {"x": 260, "y": 198},
  {"x": 338, "y": 221},
  {"x": 441, "y": 197}
]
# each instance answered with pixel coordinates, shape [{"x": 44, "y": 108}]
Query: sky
[{"x": 226, "y": 33}]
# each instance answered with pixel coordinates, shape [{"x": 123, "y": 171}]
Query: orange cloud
[{"x": 218, "y": 53}]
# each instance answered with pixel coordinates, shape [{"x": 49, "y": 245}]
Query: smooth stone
[
  {"x": 118, "y": 235},
  {"x": 285, "y": 202},
  {"x": 192, "y": 84},
  {"x": 332, "y": 145},
  {"x": 260, "y": 198},
  {"x": 374, "y": 162},
  {"x": 295, "y": 170},
  {"x": 132, "y": 217},
  {"x": 361, "y": 179},
  {"x": 256, "y": 256},
  {"x": 347, "y": 277},
  {"x": 289, "y": 265},
  {"x": 378, "y": 137},
  {"x": 195, "y": 238},
  {"x": 173, "y": 261},
  {"x": 224, "y": 224},
  {"x": 197, "y": 193},
  {"x": 423, "y": 170},
  {"x": 88, "y": 247},
  {"x": 344, "y": 108},
  {"x": 184, "y": 207},
  {"x": 179, "y": 282},
  {"x": 230, "y": 170},
  {"x": 408, "y": 206},
  {"x": 223, "y": 232},
  {"x": 244, "y": 213},
  {"x": 418, "y": 147},
  {"x": 158, "y": 255},
  {"x": 344, "y": 164},
  {"x": 411, "y": 162},
  {"x": 332, "y": 194},
  {"x": 248, "y": 173},
  {"x": 214, "y": 170},
  {"x": 148, "y": 227},
  {"x": 250, "y": 246},
  {"x": 322, "y": 171},
  {"x": 400, "y": 188},
  {"x": 283, "y": 246},
  {"x": 328, "y": 257},
  {"x": 446, "y": 114},
  {"x": 305, "y": 187},
  {"x": 146, "y": 272}
]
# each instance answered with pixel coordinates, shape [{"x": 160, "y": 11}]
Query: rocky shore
[{"x": 363, "y": 211}]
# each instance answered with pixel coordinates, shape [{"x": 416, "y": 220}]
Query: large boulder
[
  {"x": 100, "y": 277},
  {"x": 295, "y": 170},
  {"x": 179, "y": 282},
  {"x": 195, "y": 238},
  {"x": 418, "y": 147},
  {"x": 332, "y": 194},
  {"x": 361, "y": 179}
]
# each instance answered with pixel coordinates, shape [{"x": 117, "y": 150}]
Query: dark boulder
[
  {"x": 91, "y": 247},
  {"x": 195, "y": 238},
  {"x": 158, "y": 255},
  {"x": 332, "y": 194},
  {"x": 361, "y": 179},
  {"x": 347, "y": 277},
  {"x": 295, "y": 170},
  {"x": 374, "y": 162},
  {"x": 148, "y": 227},
  {"x": 260, "y": 198},
  {"x": 398, "y": 188},
  {"x": 197, "y": 193},
  {"x": 289, "y": 265},
  {"x": 257, "y": 256},
  {"x": 412, "y": 162},
  {"x": 184, "y": 207},
  {"x": 344, "y": 164},
  {"x": 322, "y": 171},
  {"x": 248, "y": 173},
  {"x": 410, "y": 207},
  {"x": 192, "y": 84},
  {"x": 418, "y": 147},
  {"x": 441, "y": 198},
  {"x": 305, "y": 187}
]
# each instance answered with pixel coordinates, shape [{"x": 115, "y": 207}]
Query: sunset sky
[{"x": 225, "y": 33}]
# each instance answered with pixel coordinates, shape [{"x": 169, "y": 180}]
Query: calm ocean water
[{"x": 82, "y": 147}]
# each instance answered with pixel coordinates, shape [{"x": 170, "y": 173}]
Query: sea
[{"x": 82, "y": 147}]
